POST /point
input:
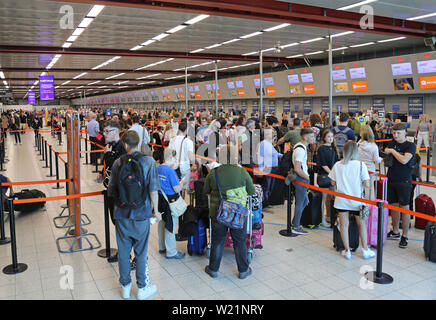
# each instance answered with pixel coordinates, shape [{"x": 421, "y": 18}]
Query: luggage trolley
[{"x": 250, "y": 249}]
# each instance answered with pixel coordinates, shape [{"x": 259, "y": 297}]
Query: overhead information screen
[
  {"x": 358, "y": 73},
  {"x": 426, "y": 66},
  {"x": 403, "y": 84},
  {"x": 293, "y": 79},
  {"x": 231, "y": 85},
  {"x": 269, "y": 81},
  {"x": 46, "y": 88},
  {"x": 306, "y": 77},
  {"x": 239, "y": 84},
  {"x": 339, "y": 75},
  {"x": 196, "y": 89},
  {"x": 256, "y": 82},
  {"x": 402, "y": 69},
  {"x": 208, "y": 87}
]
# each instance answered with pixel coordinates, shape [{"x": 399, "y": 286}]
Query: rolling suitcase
[
  {"x": 372, "y": 221},
  {"x": 423, "y": 204},
  {"x": 198, "y": 241},
  {"x": 312, "y": 214},
  {"x": 29, "y": 194},
  {"x": 256, "y": 238},
  {"x": 353, "y": 236},
  {"x": 430, "y": 241}
]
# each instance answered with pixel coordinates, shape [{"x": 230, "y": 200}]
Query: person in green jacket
[{"x": 236, "y": 185}]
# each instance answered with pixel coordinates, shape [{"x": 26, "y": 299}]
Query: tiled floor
[{"x": 305, "y": 267}]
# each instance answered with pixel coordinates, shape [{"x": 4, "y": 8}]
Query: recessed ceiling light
[
  {"x": 312, "y": 53},
  {"x": 251, "y": 35},
  {"x": 136, "y": 48},
  {"x": 198, "y": 50},
  {"x": 233, "y": 40},
  {"x": 117, "y": 75},
  {"x": 337, "y": 49},
  {"x": 214, "y": 46},
  {"x": 290, "y": 45},
  {"x": 358, "y": 4},
  {"x": 78, "y": 31},
  {"x": 422, "y": 17},
  {"x": 280, "y": 26},
  {"x": 95, "y": 11},
  {"x": 85, "y": 22},
  {"x": 72, "y": 38},
  {"x": 342, "y": 34},
  {"x": 250, "y": 53},
  {"x": 362, "y": 45},
  {"x": 296, "y": 56},
  {"x": 146, "y": 43},
  {"x": 312, "y": 40},
  {"x": 161, "y": 36},
  {"x": 389, "y": 40},
  {"x": 197, "y": 19},
  {"x": 66, "y": 45},
  {"x": 178, "y": 28}
]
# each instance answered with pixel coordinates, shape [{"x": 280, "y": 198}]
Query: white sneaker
[
  {"x": 146, "y": 292},
  {"x": 125, "y": 291},
  {"x": 368, "y": 254},
  {"x": 325, "y": 224},
  {"x": 346, "y": 254}
]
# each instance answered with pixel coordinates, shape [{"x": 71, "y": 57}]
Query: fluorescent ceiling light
[
  {"x": 233, "y": 40},
  {"x": 342, "y": 34},
  {"x": 214, "y": 46},
  {"x": 296, "y": 56},
  {"x": 179, "y": 69},
  {"x": 79, "y": 87},
  {"x": 289, "y": 45},
  {"x": 136, "y": 48},
  {"x": 389, "y": 40},
  {"x": 85, "y": 22},
  {"x": 66, "y": 45},
  {"x": 118, "y": 83},
  {"x": 146, "y": 43},
  {"x": 197, "y": 19},
  {"x": 161, "y": 36},
  {"x": 95, "y": 11},
  {"x": 2, "y": 75},
  {"x": 80, "y": 75},
  {"x": 270, "y": 49},
  {"x": 423, "y": 16},
  {"x": 280, "y": 26},
  {"x": 78, "y": 31},
  {"x": 198, "y": 50},
  {"x": 178, "y": 28},
  {"x": 57, "y": 56},
  {"x": 341, "y": 48},
  {"x": 361, "y": 3},
  {"x": 117, "y": 75},
  {"x": 5, "y": 83},
  {"x": 102, "y": 87},
  {"x": 312, "y": 40},
  {"x": 72, "y": 38},
  {"x": 170, "y": 59},
  {"x": 251, "y": 35},
  {"x": 124, "y": 87},
  {"x": 94, "y": 82},
  {"x": 312, "y": 53},
  {"x": 362, "y": 45},
  {"x": 44, "y": 73},
  {"x": 250, "y": 53}
]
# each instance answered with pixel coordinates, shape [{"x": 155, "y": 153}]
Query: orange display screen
[
  {"x": 359, "y": 86},
  {"x": 271, "y": 91},
  {"x": 427, "y": 82},
  {"x": 198, "y": 95},
  {"x": 241, "y": 92},
  {"x": 309, "y": 89}
]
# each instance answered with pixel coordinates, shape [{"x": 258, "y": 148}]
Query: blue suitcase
[{"x": 198, "y": 241}]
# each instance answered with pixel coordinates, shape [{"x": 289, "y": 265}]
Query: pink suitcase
[
  {"x": 256, "y": 236},
  {"x": 372, "y": 222}
]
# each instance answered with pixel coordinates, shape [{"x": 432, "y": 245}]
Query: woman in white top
[
  {"x": 369, "y": 154},
  {"x": 423, "y": 131},
  {"x": 347, "y": 175}
]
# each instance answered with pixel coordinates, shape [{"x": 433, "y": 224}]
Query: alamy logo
[
  {"x": 364, "y": 283},
  {"x": 67, "y": 279},
  {"x": 67, "y": 20},
  {"x": 367, "y": 21}
]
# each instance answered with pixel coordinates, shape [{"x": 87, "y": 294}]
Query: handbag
[
  {"x": 230, "y": 214},
  {"x": 177, "y": 207},
  {"x": 389, "y": 160},
  {"x": 323, "y": 181},
  {"x": 145, "y": 148},
  {"x": 364, "y": 210},
  {"x": 179, "y": 173}
]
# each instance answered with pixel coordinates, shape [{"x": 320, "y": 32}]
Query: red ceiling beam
[
  {"x": 140, "y": 54},
  {"x": 278, "y": 11}
]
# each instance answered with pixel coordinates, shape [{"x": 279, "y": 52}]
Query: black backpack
[{"x": 131, "y": 184}]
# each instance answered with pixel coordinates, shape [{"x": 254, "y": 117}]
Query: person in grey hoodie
[{"x": 369, "y": 154}]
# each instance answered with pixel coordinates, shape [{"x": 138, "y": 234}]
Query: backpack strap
[{"x": 218, "y": 182}]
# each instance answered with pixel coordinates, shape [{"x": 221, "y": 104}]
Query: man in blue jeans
[
  {"x": 133, "y": 225},
  {"x": 299, "y": 159}
]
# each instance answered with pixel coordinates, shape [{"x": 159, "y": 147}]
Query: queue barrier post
[
  {"x": 65, "y": 205},
  {"x": 15, "y": 267},
  {"x": 96, "y": 163},
  {"x": 2, "y": 156},
  {"x": 60, "y": 136},
  {"x": 51, "y": 164},
  {"x": 3, "y": 239},
  {"x": 58, "y": 186},
  {"x": 40, "y": 147},
  {"x": 109, "y": 253},
  {"x": 46, "y": 154},
  {"x": 288, "y": 231},
  {"x": 428, "y": 164},
  {"x": 86, "y": 149},
  {"x": 378, "y": 276}
]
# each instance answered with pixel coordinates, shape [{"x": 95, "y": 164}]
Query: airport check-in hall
[{"x": 230, "y": 151}]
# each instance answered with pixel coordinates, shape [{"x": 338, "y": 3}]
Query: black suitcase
[
  {"x": 353, "y": 236},
  {"x": 312, "y": 214},
  {"x": 430, "y": 241},
  {"x": 200, "y": 196},
  {"x": 29, "y": 194}
]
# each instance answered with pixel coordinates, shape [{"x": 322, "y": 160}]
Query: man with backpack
[
  {"x": 133, "y": 184},
  {"x": 342, "y": 133}
]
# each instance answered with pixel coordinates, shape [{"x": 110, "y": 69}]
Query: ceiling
[{"x": 37, "y": 23}]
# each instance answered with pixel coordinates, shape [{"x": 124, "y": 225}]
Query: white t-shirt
[
  {"x": 349, "y": 182},
  {"x": 142, "y": 132},
  {"x": 300, "y": 154},
  {"x": 188, "y": 146}
]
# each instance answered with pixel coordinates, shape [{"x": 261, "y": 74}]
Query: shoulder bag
[
  {"x": 323, "y": 179},
  {"x": 177, "y": 207},
  {"x": 229, "y": 213}
]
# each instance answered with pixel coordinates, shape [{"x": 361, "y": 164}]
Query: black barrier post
[
  {"x": 86, "y": 149},
  {"x": 2, "y": 156},
  {"x": 66, "y": 183},
  {"x": 96, "y": 163},
  {"x": 428, "y": 163},
  {"x": 60, "y": 136},
  {"x": 288, "y": 232},
  {"x": 40, "y": 144},
  {"x": 51, "y": 164},
  {"x": 3, "y": 239},
  {"x": 46, "y": 154},
  {"x": 58, "y": 186},
  {"x": 378, "y": 276},
  {"x": 15, "y": 267},
  {"x": 42, "y": 149},
  {"x": 109, "y": 253}
]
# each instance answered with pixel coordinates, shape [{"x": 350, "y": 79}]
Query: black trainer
[
  {"x": 394, "y": 236},
  {"x": 403, "y": 243}
]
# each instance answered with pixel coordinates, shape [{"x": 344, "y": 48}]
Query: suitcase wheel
[
  {"x": 249, "y": 257},
  {"x": 208, "y": 252}
]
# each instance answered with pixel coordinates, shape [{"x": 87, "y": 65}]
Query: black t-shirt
[
  {"x": 401, "y": 172},
  {"x": 110, "y": 157},
  {"x": 326, "y": 156}
]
